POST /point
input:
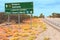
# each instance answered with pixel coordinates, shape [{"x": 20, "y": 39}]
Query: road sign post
[
  {"x": 19, "y": 8},
  {"x": 31, "y": 20},
  {"x": 8, "y": 19},
  {"x": 19, "y": 19}
]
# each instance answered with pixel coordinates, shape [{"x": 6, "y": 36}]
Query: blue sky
[{"x": 40, "y": 6}]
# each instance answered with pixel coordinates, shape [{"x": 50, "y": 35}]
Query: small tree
[
  {"x": 41, "y": 15},
  {"x": 35, "y": 16}
]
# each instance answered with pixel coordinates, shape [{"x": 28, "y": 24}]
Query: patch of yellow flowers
[{"x": 26, "y": 32}]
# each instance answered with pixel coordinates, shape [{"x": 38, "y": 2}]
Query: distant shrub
[{"x": 14, "y": 17}]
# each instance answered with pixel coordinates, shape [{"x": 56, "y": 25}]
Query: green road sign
[{"x": 20, "y": 7}]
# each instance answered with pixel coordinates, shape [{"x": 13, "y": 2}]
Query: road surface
[{"x": 51, "y": 33}]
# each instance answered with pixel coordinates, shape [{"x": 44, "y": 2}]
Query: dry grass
[{"x": 24, "y": 31}]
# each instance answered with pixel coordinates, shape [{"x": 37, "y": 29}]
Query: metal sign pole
[
  {"x": 8, "y": 19},
  {"x": 31, "y": 20},
  {"x": 19, "y": 20}
]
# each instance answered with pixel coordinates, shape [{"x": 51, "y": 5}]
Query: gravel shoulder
[{"x": 51, "y": 33}]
